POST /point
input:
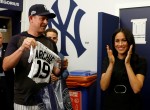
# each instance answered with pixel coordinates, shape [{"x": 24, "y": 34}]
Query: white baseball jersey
[{"x": 43, "y": 60}]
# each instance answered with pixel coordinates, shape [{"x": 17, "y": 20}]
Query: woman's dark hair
[
  {"x": 130, "y": 40},
  {"x": 129, "y": 37}
]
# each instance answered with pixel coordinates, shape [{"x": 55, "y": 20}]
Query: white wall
[{"x": 88, "y": 26}]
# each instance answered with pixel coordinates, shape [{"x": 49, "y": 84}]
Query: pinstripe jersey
[{"x": 43, "y": 60}]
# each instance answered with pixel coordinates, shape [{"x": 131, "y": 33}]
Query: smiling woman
[
  {"x": 121, "y": 45},
  {"x": 123, "y": 74}
]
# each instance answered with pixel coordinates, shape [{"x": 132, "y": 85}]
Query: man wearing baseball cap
[
  {"x": 41, "y": 10},
  {"x": 18, "y": 52}
]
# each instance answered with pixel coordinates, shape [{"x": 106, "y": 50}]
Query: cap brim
[{"x": 49, "y": 15}]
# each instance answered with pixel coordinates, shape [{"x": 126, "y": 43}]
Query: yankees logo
[{"x": 64, "y": 26}]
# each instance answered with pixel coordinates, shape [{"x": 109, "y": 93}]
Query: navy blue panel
[
  {"x": 16, "y": 18},
  {"x": 142, "y": 49},
  {"x": 12, "y": 4},
  {"x": 107, "y": 24}
]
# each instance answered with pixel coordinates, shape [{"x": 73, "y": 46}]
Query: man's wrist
[{"x": 21, "y": 49}]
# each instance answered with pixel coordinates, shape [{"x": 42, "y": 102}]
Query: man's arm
[{"x": 12, "y": 60}]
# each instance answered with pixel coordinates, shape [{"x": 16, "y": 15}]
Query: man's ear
[{"x": 30, "y": 18}]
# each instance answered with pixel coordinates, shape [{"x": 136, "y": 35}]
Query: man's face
[
  {"x": 53, "y": 36},
  {"x": 39, "y": 23}
]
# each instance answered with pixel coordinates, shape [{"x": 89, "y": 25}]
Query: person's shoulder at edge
[{"x": 143, "y": 62}]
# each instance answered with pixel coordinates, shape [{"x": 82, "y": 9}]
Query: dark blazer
[
  {"x": 1, "y": 58},
  {"x": 6, "y": 85}
]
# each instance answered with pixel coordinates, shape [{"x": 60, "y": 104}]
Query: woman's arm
[
  {"x": 106, "y": 77},
  {"x": 136, "y": 80}
]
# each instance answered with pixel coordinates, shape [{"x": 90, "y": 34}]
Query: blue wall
[
  {"x": 142, "y": 49},
  {"x": 107, "y": 24}
]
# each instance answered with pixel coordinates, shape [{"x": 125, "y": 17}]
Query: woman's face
[{"x": 121, "y": 44}]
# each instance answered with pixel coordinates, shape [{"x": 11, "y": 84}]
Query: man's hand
[
  {"x": 27, "y": 43},
  {"x": 65, "y": 63},
  {"x": 53, "y": 78}
]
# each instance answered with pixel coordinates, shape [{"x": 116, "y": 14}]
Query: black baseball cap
[{"x": 40, "y": 10}]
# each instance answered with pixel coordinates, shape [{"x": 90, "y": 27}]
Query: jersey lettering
[{"x": 43, "y": 60}]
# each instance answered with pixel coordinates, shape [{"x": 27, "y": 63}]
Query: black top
[
  {"x": 119, "y": 95},
  {"x": 24, "y": 87}
]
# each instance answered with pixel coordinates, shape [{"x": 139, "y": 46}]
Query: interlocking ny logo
[{"x": 63, "y": 28}]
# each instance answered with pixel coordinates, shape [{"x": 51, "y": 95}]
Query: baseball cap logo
[
  {"x": 45, "y": 7},
  {"x": 33, "y": 12}
]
